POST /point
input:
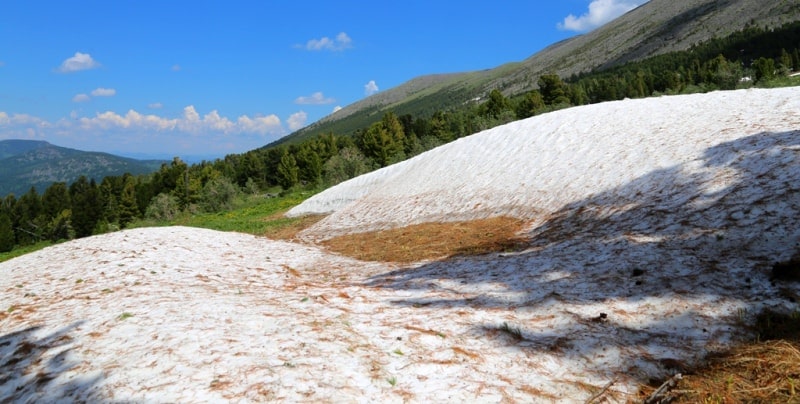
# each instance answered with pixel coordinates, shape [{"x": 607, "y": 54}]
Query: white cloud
[
  {"x": 81, "y": 61},
  {"x": 297, "y": 121},
  {"x": 104, "y": 92},
  {"x": 370, "y": 88},
  {"x": 190, "y": 122},
  {"x": 262, "y": 125},
  {"x": 81, "y": 98},
  {"x": 600, "y": 12},
  {"x": 340, "y": 43},
  {"x": 189, "y": 132},
  {"x": 337, "y": 108},
  {"x": 314, "y": 99},
  {"x": 155, "y": 105}
]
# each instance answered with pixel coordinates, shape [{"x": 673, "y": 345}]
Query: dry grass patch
[
  {"x": 287, "y": 228},
  {"x": 430, "y": 241},
  {"x": 766, "y": 371}
]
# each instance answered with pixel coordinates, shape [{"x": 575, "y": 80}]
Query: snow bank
[
  {"x": 656, "y": 224},
  {"x": 531, "y": 168}
]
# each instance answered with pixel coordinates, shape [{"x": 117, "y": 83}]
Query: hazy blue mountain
[{"x": 27, "y": 163}]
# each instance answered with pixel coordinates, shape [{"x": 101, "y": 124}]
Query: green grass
[
  {"x": 253, "y": 215},
  {"x": 781, "y": 81},
  {"x": 18, "y": 251}
]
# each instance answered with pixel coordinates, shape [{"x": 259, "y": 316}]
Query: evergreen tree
[
  {"x": 287, "y": 171},
  {"x": 251, "y": 165},
  {"x": 383, "y": 141},
  {"x": 764, "y": 68},
  {"x": 496, "y": 105},
  {"x": 85, "y": 206},
  {"x": 439, "y": 127},
  {"x": 328, "y": 146},
  {"x": 55, "y": 200},
  {"x": 128, "y": 208},
  {"x": 27, "y": 209},
  {"x": 309, "y": 164},
  {"x": 785, "y": 64},
  {"x": 108, "y": 199},
  {"x": 553, "y": 89},
  {"x": 6, "y": 233}
]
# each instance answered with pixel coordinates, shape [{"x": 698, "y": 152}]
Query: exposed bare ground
[{"x": 430, "y": 241}]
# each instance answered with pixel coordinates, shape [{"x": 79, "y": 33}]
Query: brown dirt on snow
[{"x": 428, "y": 241}]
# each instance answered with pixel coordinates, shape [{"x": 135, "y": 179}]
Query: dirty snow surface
[{"x": 654, "y": 225}]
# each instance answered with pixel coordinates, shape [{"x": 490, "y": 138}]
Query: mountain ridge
[
  {"x": 656, "y": 27},
  {"x": 38, "y": 164}
]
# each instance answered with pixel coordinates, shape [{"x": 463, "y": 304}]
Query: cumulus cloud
[
  {"x": 370, "y": 88},
  {"x": 314, "y": 99},
  {"x": 600, "y": 12},
  {"x": 80, "y": 98},
  {"x": 190, "y": 122},
  {"x": 297, "y": 121},
  {"x": 104, "y": 92},
  {"x": 191, "y": 131},
  {"x": 22, "y": 119},
  {"x": 340, "y": 43},
  {"x": 337, "y": 108},
  {"x": 81, "y": 61}
]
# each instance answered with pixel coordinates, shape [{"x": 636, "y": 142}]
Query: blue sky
[{"x": 202, "y": 78}]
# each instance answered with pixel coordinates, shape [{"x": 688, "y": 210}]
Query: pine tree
[
  {"x": 55, "y": 200},
  {"x": 6, "y": 233},
  {"x": 496, "y": 105},
  {"x": 309, "y": 164},
  {"x": 26, "y": 211},
  {"x": 287, "y": 171},
  {"x": 530, "y": 104},
  {"x": 383, "y": 141},
  {"x": 85, "y": 206},
  {"x": 128, "y": 208},
  {"x": 553, "y": 89}
]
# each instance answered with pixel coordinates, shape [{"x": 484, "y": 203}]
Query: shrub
[
  {"x": 218, "y": 194},
  {"x": 163, "y": 207}
]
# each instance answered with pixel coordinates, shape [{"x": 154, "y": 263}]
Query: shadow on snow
[
  {"x": 707, "y": 231},
  {"x": 33, "y": 366}
]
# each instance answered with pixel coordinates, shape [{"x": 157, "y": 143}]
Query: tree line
[{"x": 83, "y": 208}]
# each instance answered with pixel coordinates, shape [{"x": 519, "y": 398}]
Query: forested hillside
[
  {"x": 29, "y": 163},
  {"x": 752, "y": 57},
  {"x": 654, "y": 28}
]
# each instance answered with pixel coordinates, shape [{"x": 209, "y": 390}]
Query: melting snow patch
[{"x": 655, "y": 224}]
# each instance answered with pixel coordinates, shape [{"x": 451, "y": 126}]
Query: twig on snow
[
  {"x": 657, "y": 395},
  {"x": 600, "y": 393}
]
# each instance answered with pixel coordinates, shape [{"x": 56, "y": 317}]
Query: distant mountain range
[
  {"x": 32, "y": 163},
  {"x": 656, "y": 27}
]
